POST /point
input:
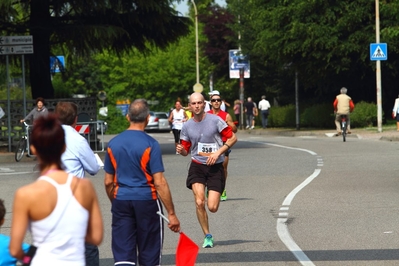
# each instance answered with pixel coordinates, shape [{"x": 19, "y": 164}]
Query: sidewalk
[
  {"x": 387, "y": 135},
  {"x": 370, "y": 134}
]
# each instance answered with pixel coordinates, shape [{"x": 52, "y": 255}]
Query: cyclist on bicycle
[
  {"x": 36, "y": 112},
  {"x": 343, "y": 105}
]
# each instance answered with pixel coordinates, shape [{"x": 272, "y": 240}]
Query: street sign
[
  {"x": 378, "y": 51},
  {"x": 237, "y": 60},
  {"x": 57, "y": 64},
  {"x": 16, "y": 40},
  {"x": 155, "y": 102},
  {"x": 16, "y": 49},
  {"x": 198, "y": 87}
]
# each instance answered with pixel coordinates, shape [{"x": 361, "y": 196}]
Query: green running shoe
[
  {"x": 223, "y": 197},
  {"x": 208, "y": 241}
]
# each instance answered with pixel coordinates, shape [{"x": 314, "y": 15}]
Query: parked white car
[{"x": 158, "y": 122}]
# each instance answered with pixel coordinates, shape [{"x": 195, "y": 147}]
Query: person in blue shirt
[
  {"x": 5, "y": 258},
  {"x": 77, "y": 159},
  {"x": 136, "y": 186}
]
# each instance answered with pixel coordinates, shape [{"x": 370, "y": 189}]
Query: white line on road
[
  {"x": 290, "y": 148},
  {"x": 17, "y": 173},
  {"x": 282, "y": 228},
  {"x": 285, "y": 236},
  {"x": 293, "y": 193}
]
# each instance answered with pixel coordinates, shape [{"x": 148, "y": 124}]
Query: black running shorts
[{"x": 211, "y": 176}]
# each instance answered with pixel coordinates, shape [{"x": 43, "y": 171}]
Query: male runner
[
  {"x": 216, "y": 102},
  {"x": 202, "y": 135}
]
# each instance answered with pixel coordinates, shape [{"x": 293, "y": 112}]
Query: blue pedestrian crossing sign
[{"x": 378, "y": 51}]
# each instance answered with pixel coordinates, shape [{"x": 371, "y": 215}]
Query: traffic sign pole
[
  {"x": 378, "y": 67},
  {"x": 8, "y": 106},
  {"x": 242, "y": 98},
  {"x": 14, "y": 45}
]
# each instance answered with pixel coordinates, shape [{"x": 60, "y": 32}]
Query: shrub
[
  {"x": 60, "y": 89},
  {"x": 318, "y": 116},
  {"x": 283, "y": 116},
  {"x": 115, "y": 120},
  {"x": 364, "y": 115}
]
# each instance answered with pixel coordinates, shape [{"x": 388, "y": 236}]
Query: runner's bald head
[{"x": 196, "y": 96}]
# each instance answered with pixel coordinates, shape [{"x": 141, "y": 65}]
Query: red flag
[{"x": 186, "y": 252}]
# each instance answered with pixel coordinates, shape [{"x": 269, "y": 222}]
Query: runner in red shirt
[{"x": 216, "y": 102}]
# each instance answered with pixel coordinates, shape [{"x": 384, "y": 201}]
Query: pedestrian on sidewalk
[
  {"x": 395, "y": 112},
  {"x": 237, "y": 111},
  {"x": 264, "y": 107},
  {"x": 249, "y": 110}
]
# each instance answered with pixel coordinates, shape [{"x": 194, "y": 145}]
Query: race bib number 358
[{"x": 205, "y": 149}]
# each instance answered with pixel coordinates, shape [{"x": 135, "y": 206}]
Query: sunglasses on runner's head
[{"x": 216, "y": 100}]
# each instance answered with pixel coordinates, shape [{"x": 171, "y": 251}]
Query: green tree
[
  {"x": 326, "y": 42},
  {"x": 220, "y": 38},
  {"x": 84, "y": 27},
  {"x": 162, "y": 75}
]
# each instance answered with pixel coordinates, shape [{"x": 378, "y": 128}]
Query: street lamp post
[{"x": 198, "y": 86}]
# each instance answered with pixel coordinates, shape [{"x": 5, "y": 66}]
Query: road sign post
[
  {"x": 14, "y": 45},
  {"x": 378, "y": 52}
]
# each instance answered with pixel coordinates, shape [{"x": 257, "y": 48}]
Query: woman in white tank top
[
  {"x": 61, "y": 211},
  {"x": 177, "y": 117}
]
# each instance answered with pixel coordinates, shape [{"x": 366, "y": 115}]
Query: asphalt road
[{"x": 308, "y": 200}]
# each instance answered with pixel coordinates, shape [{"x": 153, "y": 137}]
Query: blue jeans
[
  {"x": 92, "y": 255},
  {"x": 265, "y": 114}
]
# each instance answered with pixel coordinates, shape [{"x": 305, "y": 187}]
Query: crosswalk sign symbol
[{"x": 378, "y": 51}]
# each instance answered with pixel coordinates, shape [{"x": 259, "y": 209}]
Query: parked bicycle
[
  {"x": 344, "y": 126},
  {"x": 23, "y": 144}
]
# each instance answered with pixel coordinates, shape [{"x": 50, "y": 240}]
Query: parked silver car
[{"x": 158, "y": 122}]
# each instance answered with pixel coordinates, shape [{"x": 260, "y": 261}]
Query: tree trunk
[{"x": 39, "y": 61}]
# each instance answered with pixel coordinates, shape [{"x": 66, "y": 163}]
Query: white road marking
[
  {"x": 17, "y": 173},
  {"x": 290, "y": 243},
  {"x": 3, "y": 169},
  {"x": 293, "y": 193},
  {"x": 291, "y": 148},
  {"x": 282, "y": 228}
]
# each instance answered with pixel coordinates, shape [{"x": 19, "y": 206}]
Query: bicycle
[
  {"x": 344, "y": 126},
  {"x": 23, "y": 144}
]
